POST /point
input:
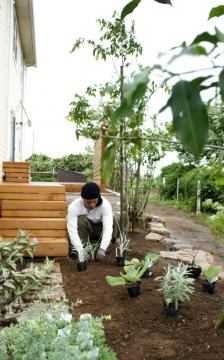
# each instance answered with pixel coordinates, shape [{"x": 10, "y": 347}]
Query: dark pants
[{"x": 87, "y": 229}]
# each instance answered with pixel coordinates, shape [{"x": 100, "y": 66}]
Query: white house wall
[
  {"x": 16, "y": 90},
  {"x": 5, "y": 36},
  {"x": 12, "y": 74}
]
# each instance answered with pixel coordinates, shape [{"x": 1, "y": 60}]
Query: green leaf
[
  {"x": 216, "y": 12},
  {"x": 219, "y": 34},
  {"x": 190, "y": 119},
  {"x": 197, "y": 81},
  {"x": 221, "y": 84},
  {"x": 164, "y": 1},
  {"x": 205, "y": 37},
  {"x": 190, "y": 50},
  {"x": 9, "y": 285},
  {"x": 129, "y": 8},
  {"x": 108, "y": 162},
  {"x": 133, "y": 92},
  {"x": 115, "y": 281},
  {"x": 211, "y": 273}
]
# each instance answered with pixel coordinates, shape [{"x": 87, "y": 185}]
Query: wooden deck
[{"x": 39, "y": 208}]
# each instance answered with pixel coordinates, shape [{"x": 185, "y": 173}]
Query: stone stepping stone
[
  {"x": 203, "y": 258},
  {"x": 160, "y": 230},
  {"x": 154, "y": 237}
]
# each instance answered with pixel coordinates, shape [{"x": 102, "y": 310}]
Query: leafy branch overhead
[
  {"x": 130, "y": 7},
  {"x": 190, "y": 118}
]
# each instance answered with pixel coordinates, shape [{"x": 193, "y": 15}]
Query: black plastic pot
[
  {"x": 194, "y": 271},
  {"x": 81, "y": 266},
  {"x": 120, "y": 260},
  {"x": 170, "y": 310},
  {"x": 134, "y": 290},
  {"x": 208, "y": 287},
  {"x": 147, "y": 274}
]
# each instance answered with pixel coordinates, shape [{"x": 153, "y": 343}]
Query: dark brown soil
[{"x": 139, "y": 329}]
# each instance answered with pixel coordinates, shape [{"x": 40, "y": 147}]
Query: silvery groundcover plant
[{"x": 56, "y": 338}]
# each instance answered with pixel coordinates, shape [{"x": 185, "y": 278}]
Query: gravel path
[{"x": 183, "y": 227}]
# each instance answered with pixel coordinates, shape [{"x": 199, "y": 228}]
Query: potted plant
[
  {"x": 150, "y": 259},
  {"x": 122, "y": 244},
  {"x": 131, "y": 279},
  {"x": 176, "y": 287},
  {"x": 194, "y": 271},
  {"x": 210, "y": 277},
  {"x": 89, "y": 251}
]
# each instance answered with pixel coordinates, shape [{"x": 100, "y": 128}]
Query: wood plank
[
  {"x": 16, "y": 180},
  {"x": 31, "y": 196},
  {"x": 55, "y": 233},
  {"x": 51, "y": 248},
  {"x": 34, "y": 223},
  {"x": 16, "y": 170},
  {"x": 32, "y": 188},
  {"x": 17, "y": 175},
  {"x": 34, "y": 213},
  {"x": 73, "y": 187},
  {"x": 16, "y": 164},
  {"x": 33, "y": 205}
]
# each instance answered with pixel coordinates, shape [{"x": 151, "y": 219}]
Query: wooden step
[
  {"x": 16, "y": 179},
  {"x": 50, "y": 247},
  {"x": 33, "y": 205},
  {"x": 32, "y": 223},
  {"x": 73, "y": 187},
  {"x": 30, "y": 196},
  {"x": 52, "y": 233},
  {"x": 34, "y": 213},
  {"x": 13, "y": 170},
  {"x": 50, "y": 188},
  {"x": 15, "y": 164}
]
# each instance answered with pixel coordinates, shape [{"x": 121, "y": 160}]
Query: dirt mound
[{"x": 139, "y": 329}]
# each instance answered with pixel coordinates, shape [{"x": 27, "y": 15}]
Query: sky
[{"x": 59, "y": 74}]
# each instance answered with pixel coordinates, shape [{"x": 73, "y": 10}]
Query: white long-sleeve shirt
[{"x": 102, "y": 213}]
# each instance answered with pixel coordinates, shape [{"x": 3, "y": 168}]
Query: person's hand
[{"x": 100, "y": 255}]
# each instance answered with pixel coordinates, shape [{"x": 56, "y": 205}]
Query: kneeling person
[{"x": 90, "y": 217}]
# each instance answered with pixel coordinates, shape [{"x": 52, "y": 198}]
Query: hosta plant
[
  {"x": 176, "y": 285},
  {"x": 150, "y": 259},
  {"x": 210, "y": 277},
  {"x": 131, "y": 279},
  {"x": 211, "y": 274}
]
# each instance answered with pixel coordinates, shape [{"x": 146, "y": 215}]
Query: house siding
[
  {"x": 11, "y": 84},
  {"x": 5, "y": 26}
]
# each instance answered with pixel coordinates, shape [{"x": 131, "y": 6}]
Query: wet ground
[{"x": 183, "y": 227}]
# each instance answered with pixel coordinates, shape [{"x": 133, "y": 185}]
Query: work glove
[{"x": 100, "y": 255}]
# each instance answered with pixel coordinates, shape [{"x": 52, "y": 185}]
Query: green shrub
[
  {"x": 171, "y": 173},
  {"x": 217, "y": 222},
  {"x": 56, "y": 338}
]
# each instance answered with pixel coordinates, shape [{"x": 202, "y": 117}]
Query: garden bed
[{"x": 139, "y": 329}]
